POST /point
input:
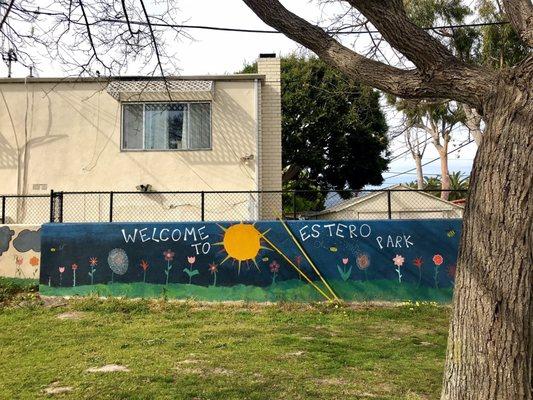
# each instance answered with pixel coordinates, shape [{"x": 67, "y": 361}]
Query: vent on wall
[{"x": 40, "y": 186}]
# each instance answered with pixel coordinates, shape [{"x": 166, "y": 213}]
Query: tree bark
[
  {"x": 473, "y": 123},
  {"x": 490, "y": 342},
  {"x": 419, "y": 174},
  {"x": 445, "y": 184}
]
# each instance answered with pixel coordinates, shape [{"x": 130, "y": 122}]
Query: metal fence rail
[{"x": 125, "y": 206}]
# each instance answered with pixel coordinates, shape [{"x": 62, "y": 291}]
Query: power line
[
  {"x": 428, "y": 162},
  {"x": 246, "y": 30}
]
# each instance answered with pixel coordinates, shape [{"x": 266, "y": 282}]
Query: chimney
[{"x": 270, "y": 170}]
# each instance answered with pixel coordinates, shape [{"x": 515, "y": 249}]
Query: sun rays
[{"x": 242, "y": 243}]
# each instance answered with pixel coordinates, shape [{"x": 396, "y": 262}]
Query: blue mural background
[{"x": 359, "y": 260}]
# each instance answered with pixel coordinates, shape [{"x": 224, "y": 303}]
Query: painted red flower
[
  {"x": 191, "y": 259},
  {"x": 213, "y": 268},
  {"x": 144, "y": 265},
  {"x": 93, "y": 261},
  {"x": 169, "y": 255},
  {"x": 438, "y": 259},
  {"x": 362, "y": 261},
  {"x": 345, "y": 260},
  {"x": 417, "y": 262},
  {"x": 34, "y": 261},
  {"x": 451, "y": 271},
  {"x": 298, "y": 260},
  {"x": 74, "y": 267},
  {"x": 61, "y": 269},
  {"x": 274, "y": 267}
]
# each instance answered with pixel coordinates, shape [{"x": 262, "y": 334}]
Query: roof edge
[{"x": 87, "y": 79}]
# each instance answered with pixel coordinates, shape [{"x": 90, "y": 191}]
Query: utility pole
[{"x": 9, "y": 58}]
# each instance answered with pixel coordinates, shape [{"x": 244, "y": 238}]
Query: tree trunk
[
  {"x": 445, "y": 184},
  {"x": 419, "y": 174},
  {"x": 490, "y": 341}
]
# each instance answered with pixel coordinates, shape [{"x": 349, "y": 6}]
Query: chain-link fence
[{"x": 231, "y": 205}]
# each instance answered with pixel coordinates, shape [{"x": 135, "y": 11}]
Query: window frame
[{"x": 125, "y": 150}]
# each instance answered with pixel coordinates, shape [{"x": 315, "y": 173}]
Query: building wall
[
  {"x": 271, "y": 168},
  {"x": 404, "y": 205},
  {"x": 66, "y": 137},
  {"x": 20, "y": 251}
]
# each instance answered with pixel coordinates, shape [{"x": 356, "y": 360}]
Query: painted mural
[
  {"x": 262, "y": 261},
  {"x": 20, "y": 247}
]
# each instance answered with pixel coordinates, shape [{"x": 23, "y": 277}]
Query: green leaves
[
  {"x": 191, "y": 272},
  {"x": 345, "y": 274}
]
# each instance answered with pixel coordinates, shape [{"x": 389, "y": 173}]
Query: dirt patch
[
  {"x": 109, "y": 368},
  {"x": 70, "y": 315},
  {"x": 54, "y": 388},
  {"x": 331, "y": 381}
]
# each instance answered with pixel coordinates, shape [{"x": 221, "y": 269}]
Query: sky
[{"x": 215, "y": 52}]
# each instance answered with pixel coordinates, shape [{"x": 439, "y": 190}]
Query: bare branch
[{"x": 4, "y": 18}]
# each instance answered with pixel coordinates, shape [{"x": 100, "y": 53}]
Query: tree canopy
[{"x": 334, "y": 132}]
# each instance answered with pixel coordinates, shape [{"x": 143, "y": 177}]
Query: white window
[{"x": 166, "y": 126}]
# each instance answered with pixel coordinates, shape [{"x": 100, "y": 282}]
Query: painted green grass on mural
[
  {"x": 222, "y": 351},
  {"x": 293, "y": 290}
]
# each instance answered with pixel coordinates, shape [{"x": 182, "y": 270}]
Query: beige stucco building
[
  {"x": 194, "y": 133},
  {"x": 405, "y": 203}
]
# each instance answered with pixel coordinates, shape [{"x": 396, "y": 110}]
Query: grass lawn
[{"x": 198, "y": 351}]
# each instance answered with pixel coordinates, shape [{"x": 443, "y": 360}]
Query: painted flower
[
  {"x": 34, "y": 261},
  {"x": 398, "y": 260},
  {"x": 144, "y": 265},
  {"x": 298, "y": 260},
  {"x": 345, "y": 260},
  {"x": 213, "y": 268},
  {"x": 191, "y": 259},
  {"x": 74, "y": 266},
  {"x": 19, "y": 260},
  {"x": 61, "y": 269},
  {"x": 93, "y": 261},
  {"x": 438, "y": 259},
  {"x": 274, "y": 267},
  {"x": 362, "y": 261},
  {"x": 417, "y": 262},
  {"x": 452, "y": 269},
  {"x": 169, "y": 255}
]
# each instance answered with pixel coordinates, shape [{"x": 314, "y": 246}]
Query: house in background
[
  {"x": 405, "y": 203},
  {"x": 187, "y": 133}
]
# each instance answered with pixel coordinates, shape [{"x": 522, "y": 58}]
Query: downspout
[{"x": 257, "y": 92}]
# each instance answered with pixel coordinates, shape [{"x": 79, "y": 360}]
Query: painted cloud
[
  {"x": 5, "y": 237},
  {"x": 28, "y": 240}
]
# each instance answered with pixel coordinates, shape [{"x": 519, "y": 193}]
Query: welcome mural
[{"x": 262, "y": 261}]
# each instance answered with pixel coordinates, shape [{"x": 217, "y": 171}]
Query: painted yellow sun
[{"x": 242, "y": 242}]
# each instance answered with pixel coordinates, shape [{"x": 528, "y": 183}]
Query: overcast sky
[{"x": 214, "y": 52}]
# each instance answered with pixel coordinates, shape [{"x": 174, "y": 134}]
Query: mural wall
[
  {"x": 20, "y": 247},
  {"x": 264, "y": 261}
]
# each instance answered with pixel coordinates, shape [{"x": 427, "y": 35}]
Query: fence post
[
  {"x": 52, "y": 211},
  {"x": 389, "y": 205},
  {"x": 60, "y": 207},
  {"x": 3, "y": 209},
  {"x": 111, "y": 206},
  {"x": 203, "y": 205},
  {"x": 294, "y": 204}
]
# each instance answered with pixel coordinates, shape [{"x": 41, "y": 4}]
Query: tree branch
[
  {"x": 4, "y": 18},
  {"x": 520, "y": 13},
  {"x": 454, "y": 80}
]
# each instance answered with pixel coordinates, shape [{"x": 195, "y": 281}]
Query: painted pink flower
[
  {"x": 19, "y": 260},
  {"x": 438, "y": 259},
  {"x": 298, "y": 260},
  {"x": 274, "y": 267},
  {"x": 362, "y": 261},
  {"x": 61, "y": 270},
  {"x": 191, "y": 259},
  {"x": 169, "y": 255},
  {"x": 213, "y": 268},
  {"x": 417, "y": 262},
  {"x": 74, "y": 267},
  {"x": 93, "y": 261},
  {"x": 398, "y": 260},
  {"x": 345, "y": 260}
]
